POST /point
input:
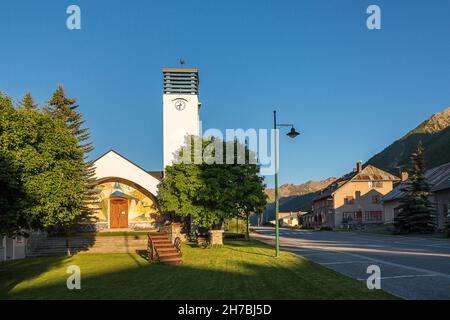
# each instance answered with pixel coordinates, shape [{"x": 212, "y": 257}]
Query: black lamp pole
[{"x": 291, "y": 134}]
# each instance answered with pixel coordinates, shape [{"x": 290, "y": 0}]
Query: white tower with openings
[{"x": 181, "y": 109}]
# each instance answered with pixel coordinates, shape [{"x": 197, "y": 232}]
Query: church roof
[{"x": 114, "y": 165}]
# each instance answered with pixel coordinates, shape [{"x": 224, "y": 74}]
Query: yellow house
[{"x": 353, "y": 199}]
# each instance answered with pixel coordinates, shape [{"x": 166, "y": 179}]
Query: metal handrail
[
  {"x": 150, "y": 249},
  {"x": 177, "y": 244}
]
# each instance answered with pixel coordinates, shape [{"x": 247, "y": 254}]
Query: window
[
  {"x": 376, "y": 199},
  {"x": 349, "y": 200},
  {"x": 375, "y": 184},
  {"x": 374, "y": 216},
  {"x": 348, "y": 216}
]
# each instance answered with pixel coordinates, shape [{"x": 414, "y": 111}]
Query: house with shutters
[{"x": 353, "y": 199}]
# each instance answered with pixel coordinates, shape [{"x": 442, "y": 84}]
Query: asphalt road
[{"x": 411, "y": 267}]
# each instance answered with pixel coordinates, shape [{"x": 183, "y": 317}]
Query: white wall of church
[{"x": 178, "y": 123}]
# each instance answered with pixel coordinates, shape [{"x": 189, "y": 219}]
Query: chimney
[
  {"x": 359, "y": 166},
  {"x": 404, "y": 176}
]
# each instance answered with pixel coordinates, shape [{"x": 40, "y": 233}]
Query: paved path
[{"x": 411, "y": 267}]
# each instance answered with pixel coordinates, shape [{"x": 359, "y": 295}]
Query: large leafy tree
[
  {"x": 11, "y": 190},
  {"x": 42, "y": 162},
  {"x": 181, "y": 190},
  {"x": 211, "y": 191},
  {"x": 235, "y": 186},
  {"x": 416, "y": 212}
]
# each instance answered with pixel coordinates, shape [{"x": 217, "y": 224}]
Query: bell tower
[{"x": 181, "y": 109}]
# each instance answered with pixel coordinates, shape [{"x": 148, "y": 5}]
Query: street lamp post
[{"x": 291, "y": 134}]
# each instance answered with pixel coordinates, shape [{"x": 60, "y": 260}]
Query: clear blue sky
[{"x": 349, "y": 90}]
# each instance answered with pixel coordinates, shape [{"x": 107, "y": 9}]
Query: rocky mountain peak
[{"x": 437, "y": 122}]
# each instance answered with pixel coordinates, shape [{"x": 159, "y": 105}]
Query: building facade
[{"x": 353, "y": 199}]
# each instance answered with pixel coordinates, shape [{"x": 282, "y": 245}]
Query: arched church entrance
[{"x": 123, "y": 204}]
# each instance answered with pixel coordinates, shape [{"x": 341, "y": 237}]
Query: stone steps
[{"x": 165, "y": 251}]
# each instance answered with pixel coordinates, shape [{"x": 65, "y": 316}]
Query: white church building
[{"x": 126, "y": 193}]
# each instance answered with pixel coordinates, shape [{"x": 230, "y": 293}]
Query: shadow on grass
[
  {"x": 143, "y": 254},
  {"x": 205, "y": 274},
  {"x": 15, "y": 272}
]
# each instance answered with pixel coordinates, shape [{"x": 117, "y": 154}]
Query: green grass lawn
[{"x": 238, "y": 270}]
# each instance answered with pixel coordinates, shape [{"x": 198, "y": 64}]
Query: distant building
[
  {"x": 439, "y": 178},
  {"x": 12, "y": 248},
  {"x": 288, "y": 219},
  {"x": 353, "y": 199}
]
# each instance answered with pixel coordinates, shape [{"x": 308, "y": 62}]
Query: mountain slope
[
  {"x": 435, "y": 136},
  {"x": 288, "y": 190},
  {"x": 293, "y": 198}
]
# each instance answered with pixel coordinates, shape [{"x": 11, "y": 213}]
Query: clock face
[{"x": 180, "y": 104}]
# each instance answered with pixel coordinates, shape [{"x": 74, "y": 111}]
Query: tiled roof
[
  {"x": 368, "y": 173},
  {"x": 438, "y": 177}
]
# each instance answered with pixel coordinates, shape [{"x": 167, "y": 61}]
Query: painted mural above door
[{"x": 141, "y": 209}]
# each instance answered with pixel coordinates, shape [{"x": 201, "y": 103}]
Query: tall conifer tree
[
  {"x": 65, "y": 109},
  {"x": 27, "y": 102},
  {"x": 416, "y": 212}
]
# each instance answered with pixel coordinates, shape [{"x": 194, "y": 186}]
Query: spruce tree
[
  {"x": 27, "y": 102},
  {"x": 416, "y": 212},
  {"x": 65, "y": 109}
]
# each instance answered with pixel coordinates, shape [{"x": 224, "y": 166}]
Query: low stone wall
[{"x": 49, "y": 246}]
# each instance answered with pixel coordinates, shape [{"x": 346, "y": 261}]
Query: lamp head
[{"x": 292, "y": 133}]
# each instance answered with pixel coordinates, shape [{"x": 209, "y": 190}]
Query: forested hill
[{"x": 435, "y": 136}]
